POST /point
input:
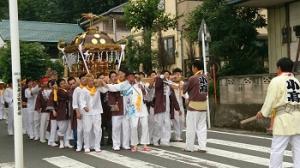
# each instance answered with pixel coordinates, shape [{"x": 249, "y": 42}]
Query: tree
[
  {"x": 234, "y": 35},
  {"x": 145, "y": 16},
  {"x": 68, "y": 11},
  {"x": 3, "y": 9},
  {"x": 34, "y": 61}
]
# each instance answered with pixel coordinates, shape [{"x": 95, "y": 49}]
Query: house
[
  {"x": 111, "y": 22},
  {"x": 283, "y": 16},
  {"x": 177, "y": 49},
  {"x": 46, "y": 33}
]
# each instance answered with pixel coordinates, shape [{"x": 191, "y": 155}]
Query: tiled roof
[{"x": 35, "y": 31}]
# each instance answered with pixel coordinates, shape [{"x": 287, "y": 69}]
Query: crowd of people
[{"x": 128, "y": 108}]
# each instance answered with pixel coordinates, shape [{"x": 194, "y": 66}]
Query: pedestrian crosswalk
[
  {"x": 220, "y": 154},
  {"x": 66, "y": 162}
]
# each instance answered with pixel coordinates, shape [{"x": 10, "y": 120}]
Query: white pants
[
  {"x": 36, "y": 124},
  {"x": 24, "y": 120},
  {"x": 10, "y": 121},
  {"x": 92, "y": 122},
  {"x": 62, "y": 128},
  {"x": 79, "y": 133},
  {"x": 53, "y": 132},
  {"x": 69, "y": 133},
  {"x": 33, "y": 123},
  {"x": 178, "y": 124},
  {"x": 162, "y": 128},
  {"x": 279, "y": 144},
  {"x": 134, "y": 123},
  {"x": 43, "y": 125},
  {"x": 1, "y": 111},
  {"x": 151, "y": 123},
  {"x": 196, "y": 124},
  {"x": 120, "y": 126},
  {"x": 5, "y": 113}
]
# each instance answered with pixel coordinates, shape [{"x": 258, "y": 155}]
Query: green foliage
[
  {"x": 146, "y": 16},
  {"x": 34, "y": 61},
  {"x": 234, "y": 36},
  {"x": 68, "y": 11},
  {"x": 132, "y": 58}
]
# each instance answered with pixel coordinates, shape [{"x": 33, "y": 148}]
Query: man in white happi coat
[
  {"x": 136, "y": 109},
  {"x": 179, "y": 118},
  {"x": 283, "y": 96},
  {"x": 8, "y": 99},
  {"x": 79, "y": 112},
  {"x": 90, "y": 103},
  {"x": 33, "y": 117}
]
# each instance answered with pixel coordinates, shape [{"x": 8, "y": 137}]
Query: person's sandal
[
  {"x": 147, "y": 149},
  {"x": 134, "y": 149}
]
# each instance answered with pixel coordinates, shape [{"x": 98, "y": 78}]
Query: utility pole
[{"x": 16, "y": 78}]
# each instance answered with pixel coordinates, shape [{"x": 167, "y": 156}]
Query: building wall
[{"x": 277, "y": 21}]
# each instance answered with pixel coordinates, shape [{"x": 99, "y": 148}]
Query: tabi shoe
[
  {"x": 126, "y": 148},
  {"x": 53, "y": 144},
  {"x": 68, "y": 146},
  {"x": 97, "y": 150},
  {"x": 187, "y": 150},
  {"x": 87, "y": 150},
  {"x": 116, "y": 148},
  {"x": 78, "y": 149}
]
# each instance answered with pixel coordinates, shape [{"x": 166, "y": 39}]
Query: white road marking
[
  {"x": 124, "y": 160},
  {"x": 186, "y": 159},
  {"x": 242, "y": 135},
  {"x": 234, "y": 155},
  {"x": 7, "y": 165},
  {"x": 245, "y": 146},
  {"x": 65, "y": 162}
]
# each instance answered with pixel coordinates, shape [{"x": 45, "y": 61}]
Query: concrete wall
[{"x": 241, "y": 97}]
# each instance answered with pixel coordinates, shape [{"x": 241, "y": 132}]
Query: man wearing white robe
[
  {"x": 79, "y": 112},
  {"x": 90, "y": 103},
  {"x": 33, "y": 117},
  {"x": 283, "y": 96},
  {"x": 8, "y": 99}
]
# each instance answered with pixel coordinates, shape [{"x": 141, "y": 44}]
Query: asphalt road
[{"x": 226, "y": 148}]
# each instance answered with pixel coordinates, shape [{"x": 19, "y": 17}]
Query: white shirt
[
  {"x": 31, "y": 95},
  {"x": 92, "y": 102},
  {"x": 8, "y": 96},
  {"x": 75, "y": 97}
]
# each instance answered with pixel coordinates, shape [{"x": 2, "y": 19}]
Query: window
[
  {"x": 169, "y": 46},
  {"x": 161, "y": 5}
]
